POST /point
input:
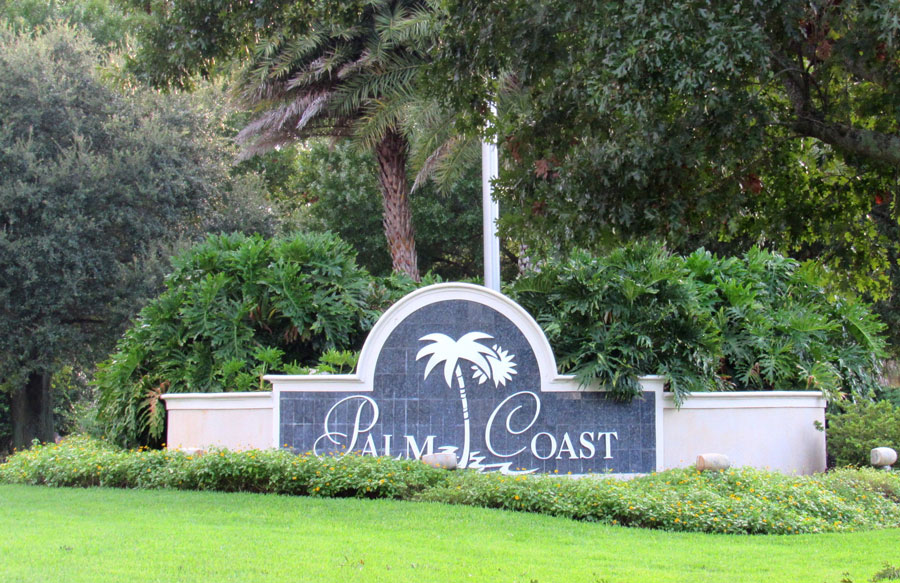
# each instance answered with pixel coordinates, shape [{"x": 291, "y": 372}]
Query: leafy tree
[
  {"x": 318, "y": 68},
  {"x": 92, "y": 184},
  {"x": 772, "y": 122}
]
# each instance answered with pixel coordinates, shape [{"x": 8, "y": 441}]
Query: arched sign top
[{"x": 461, "y": 292}]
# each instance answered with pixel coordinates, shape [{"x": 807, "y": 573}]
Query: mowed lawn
[{"x": 100, "y": 535}]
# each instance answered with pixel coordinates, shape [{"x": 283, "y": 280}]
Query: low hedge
[
  {"x": 743, "y": 500},
  {"x": 84, "y": 462}
]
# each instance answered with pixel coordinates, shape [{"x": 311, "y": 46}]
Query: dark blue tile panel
[{"x": 511, "y": 425}]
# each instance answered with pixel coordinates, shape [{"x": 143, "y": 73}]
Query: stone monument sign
[{"x": 459, "y": 368}]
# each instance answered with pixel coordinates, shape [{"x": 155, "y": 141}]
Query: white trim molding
[
  {"x": 748, "y": 400},
  {"x": 210, "y": 401}
]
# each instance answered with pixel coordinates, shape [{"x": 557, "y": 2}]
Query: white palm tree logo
[{"x": 492, "y": 363}]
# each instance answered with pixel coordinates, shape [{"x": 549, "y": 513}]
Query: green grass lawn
[{"x": 133, "y": 536}]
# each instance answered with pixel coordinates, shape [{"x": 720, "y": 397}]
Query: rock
[
  {"x": 713, "y": 461},
  {"x": 883, "y": 457},
  {"x": 446, "y": 461}
]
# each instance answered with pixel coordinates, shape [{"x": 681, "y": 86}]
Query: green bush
[
  {"x": 889, "y": 394},
  {"x": 235, "y": 308},
  {"x": 860, "y": 427},
  {"x": 633, "y": 312},
  {"x": 781, "y": 329},
  {"x": 85, "y": 462},
  {"x": 737, "y": 501},
  {"x": 744, "y": 500},
  {"x": 758, "y": 322}
]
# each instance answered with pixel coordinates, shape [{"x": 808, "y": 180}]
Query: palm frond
[
  {"x": 414, "y": 28},
  {"x": 314, "y": 108},
  {"x": 428, "y": 167},
  {"x": 277, "y": 116},
  {"x": 431, "y": 125},
  {"x": 377, "y": 119},
  {"x": 464, "y": 154},
  {"x": 355, "y": 66},
  {"x": 339, "y": 80},
  {"x": 357, "y": 91},
  {"x": 293, "y": 54}
]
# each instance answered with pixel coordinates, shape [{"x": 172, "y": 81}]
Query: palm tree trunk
[
  {"x": 391, "y": 155},
  {"x": 464, "y": 458}
]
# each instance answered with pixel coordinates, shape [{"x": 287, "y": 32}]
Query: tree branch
[
  {"x": 869, "y": 144},
  {"x": 809, "y": 121}
]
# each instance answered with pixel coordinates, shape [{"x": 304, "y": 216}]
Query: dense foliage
[
  {"x": 782, "y": 329},
  {"x": 5, "y": 424},
  {"x": 740, "y": 501},
  {"x": 758, "y": 322},
  {"x": 697, "y": 121},
  {"x": 861, "y": 427},
  {"x": 235, "y": 308},
  {"x": 630, "y": 313},
  {"x": 103, "y": 20},
  {"x": 93, "y": 184}
]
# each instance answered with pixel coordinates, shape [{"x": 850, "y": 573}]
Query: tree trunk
[
  {"x": 391, "y": 156},
  {"x": 32, "y": 411}
]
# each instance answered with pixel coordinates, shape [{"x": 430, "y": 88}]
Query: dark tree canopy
[
  {"x": 699, "y": 121},
  {"x": 91, "y": 182}
]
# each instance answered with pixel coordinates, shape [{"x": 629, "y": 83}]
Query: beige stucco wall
[
  {"x": 231, "y": 420},
  {"x": 760, "y": 429}
]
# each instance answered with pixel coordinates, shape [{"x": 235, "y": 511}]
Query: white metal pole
[{"x": 491, "y": 212}]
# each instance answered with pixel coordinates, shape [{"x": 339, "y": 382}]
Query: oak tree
[{"x": 702, "y": 122}]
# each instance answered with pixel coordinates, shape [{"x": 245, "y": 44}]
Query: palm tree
[
  {"x": 487, "y": 363},
  {"x": 340, "y": 80}
]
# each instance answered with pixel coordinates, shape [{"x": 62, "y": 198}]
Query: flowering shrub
[
  {"x": 739, "y": 501},
  {"x": 85, "y": 462},
  {"x": 743, "y": 500}
]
